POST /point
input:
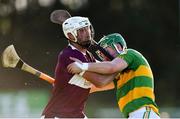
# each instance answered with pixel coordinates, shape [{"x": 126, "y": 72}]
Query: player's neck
[{"x": 78, "y": 47}]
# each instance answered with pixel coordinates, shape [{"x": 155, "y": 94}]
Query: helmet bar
[
  {"x": 71, "y": 25},
  {"x": 112, "y": 39}
]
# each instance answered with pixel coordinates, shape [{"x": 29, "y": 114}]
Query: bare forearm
[
  {"x": 109, "y": 86},
  {"x": 103, "y": 68},
  {"x": 114, "y": 66},
  {"x": 108, "y": 67},
  {"x": 99, "y": 80}
]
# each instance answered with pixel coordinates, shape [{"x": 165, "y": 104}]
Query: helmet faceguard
[
  {"x": 112, "y": 39},
  {"x": 71, "y": 25}
]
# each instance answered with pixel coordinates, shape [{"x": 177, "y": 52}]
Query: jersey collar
[{"x": 74, "y": 48}]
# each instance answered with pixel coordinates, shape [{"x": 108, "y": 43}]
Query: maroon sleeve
[{"x": 62, "y": 75}]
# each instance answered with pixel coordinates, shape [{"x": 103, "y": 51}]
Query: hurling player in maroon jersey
[{"x": 70, "y": 91}]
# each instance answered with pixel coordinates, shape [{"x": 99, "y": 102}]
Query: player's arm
[
  {"x": 99, "y": 80},
  {"x": 106, "y": 67},
  {"x": 105, "y": 88}
]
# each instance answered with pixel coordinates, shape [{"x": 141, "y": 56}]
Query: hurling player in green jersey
[{"x": 134, "y": 83}]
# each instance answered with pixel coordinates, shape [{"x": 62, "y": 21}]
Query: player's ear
[{"x": 70, "y": 37}]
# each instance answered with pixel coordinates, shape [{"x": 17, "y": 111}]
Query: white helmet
[{"x": 72, "y": 24}]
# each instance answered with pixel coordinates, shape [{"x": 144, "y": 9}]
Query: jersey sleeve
[{"x": 64, "y": 58}]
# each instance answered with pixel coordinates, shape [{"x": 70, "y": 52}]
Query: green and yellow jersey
[{"x": 135, "y": 86}]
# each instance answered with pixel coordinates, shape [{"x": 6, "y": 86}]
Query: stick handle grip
[
  {"x": 29, "y": 69},
  {"x": 47, "y": 78}
]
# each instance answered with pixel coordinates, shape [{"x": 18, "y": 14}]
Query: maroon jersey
[{"x": 68, "y": 99}]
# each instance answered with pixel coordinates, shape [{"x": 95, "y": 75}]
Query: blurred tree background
[{"x": 151, "y": 27}]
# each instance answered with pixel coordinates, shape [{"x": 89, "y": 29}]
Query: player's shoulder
[
  {"x": 137, "y": 56},
  {"x": 69, "y": 52},
  {"x": 133, "y": 52}
]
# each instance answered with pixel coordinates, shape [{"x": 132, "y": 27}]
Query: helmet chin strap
[{"x": 118, "y": 51}]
